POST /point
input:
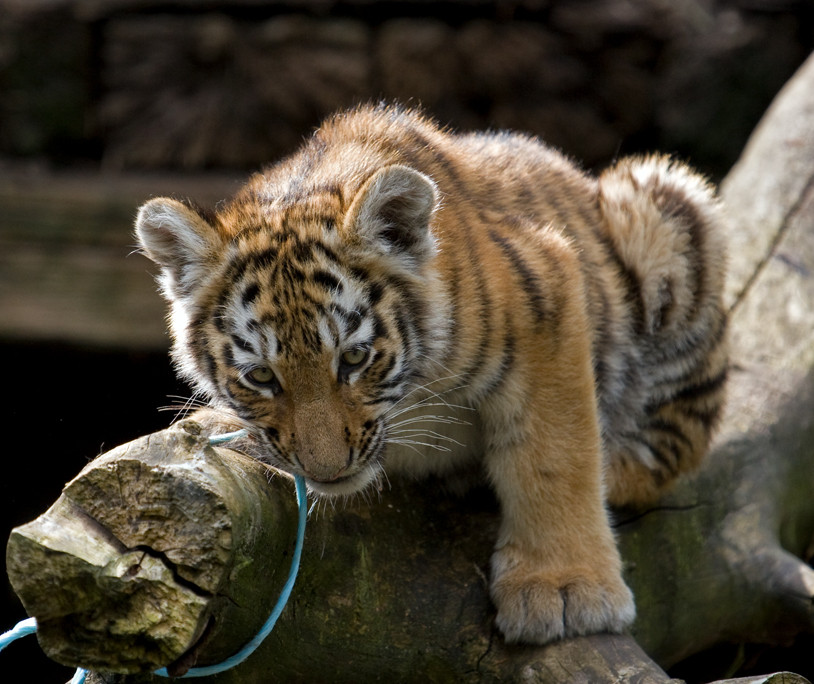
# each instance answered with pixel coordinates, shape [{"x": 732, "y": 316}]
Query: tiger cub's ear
[
  {"x": 392, "y": 211},
  {"x": 179, "y": 240}
]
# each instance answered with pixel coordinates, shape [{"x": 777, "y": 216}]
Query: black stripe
[
  {"x": 397, "y": 381},
  {"x": 245, "y": 413},
  {"x": 243, "y": 344},
  {"x": 674, "y": 204},
  {"x": 196, "y": 337},
  {"x": 250, "y": 294},
  {"x": 210, "y": 367},
  {"x": 454, "y": 291},
  {"x": 485, "y": 319},
  {"x": 263, "y": 258},
  {"x": 372, "y": 445},
  {"x": 703, "y": 389},
  {"x": 602, "y": 342},
  {"x": 292, "y": 273},
  {"x": 327, "y": 252},
  {"x": 667, "y": 455},
  {"x": 351, "y": 320},
  {"x": 561, "y": 215},
  {"x": 695, "y": 392},
  {"x": 228, "y": 356},
  {"x": 354, "y": 320},
  {"x": 383, "y": 399},
  {"x": 311, "y": 339},
  {"x": 708, "y": 417},
  {"x": 507, "y": 361},
  {"x": 380, "y": 330},
  {"x": 528, "y": 279},
  {"x": 220, "y": 320},
  {"x": 630, "y": 281},
  {"x": 410, "y": 312},
  {"x": 405, "y": 330},
  {"x": 417, "y": 149},
  {"x": 266, "y": 258},
  {"x": 380, "y": 368},
  {"x": 234, "y": 403},
  {"x": 328, "y": 280},
  {"x": 670, "y": 428},
  {"x": 667, "y": 460},
  {"x": 375, "y": 292},
  {"x": 374, "y": 289},
  {"x": 697, "y": 340},
  {"x": 302, "y": 250}
]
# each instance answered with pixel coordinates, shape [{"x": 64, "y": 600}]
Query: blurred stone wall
[{"x": 199, "y": 84}]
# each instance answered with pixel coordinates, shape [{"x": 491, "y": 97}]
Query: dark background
[{"x": 131, "y": 88}]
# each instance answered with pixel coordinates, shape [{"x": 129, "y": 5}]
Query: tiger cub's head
[{"x": 304, "y": 320}]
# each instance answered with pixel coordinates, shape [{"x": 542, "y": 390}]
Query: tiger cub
[{"x": 359, "y": 301}]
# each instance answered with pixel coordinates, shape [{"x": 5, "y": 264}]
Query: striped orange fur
[{"x": 399, "y": 297}]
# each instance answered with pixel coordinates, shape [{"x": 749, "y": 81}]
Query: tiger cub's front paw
[{"x": 537, "y": 605}]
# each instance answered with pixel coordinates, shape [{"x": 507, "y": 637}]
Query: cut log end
[{"x": 150, "y": 548}]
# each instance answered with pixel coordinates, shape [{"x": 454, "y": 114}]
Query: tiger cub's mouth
[{"x": 345, "y": 485}]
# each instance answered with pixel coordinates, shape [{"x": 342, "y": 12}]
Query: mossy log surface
[
  {"x": 395, "y": 588},
  {"x": 167, "y": 550}
]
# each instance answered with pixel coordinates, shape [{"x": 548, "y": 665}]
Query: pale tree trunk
[{"x": 168, "y": 550}]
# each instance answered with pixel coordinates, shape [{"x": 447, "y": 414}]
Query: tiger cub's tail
[{"x": 667, "y": 228}]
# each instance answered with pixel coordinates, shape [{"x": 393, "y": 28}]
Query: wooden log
[
  {"x": 395, "y": 588},
  {"x": 154, "y": 547},
  {"x": 774, "y": 678},
  {"x": 167, "y": 551}
]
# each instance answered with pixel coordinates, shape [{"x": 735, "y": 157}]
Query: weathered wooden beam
[{"x": 67, "y": 267}]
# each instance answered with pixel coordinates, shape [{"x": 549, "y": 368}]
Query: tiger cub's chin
[{"x": 347, "y": 485}]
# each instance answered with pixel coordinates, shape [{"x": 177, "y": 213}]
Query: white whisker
[
  {"x": 415, "y": 443},
  {"x": 427, "y": 387},
  {"x": 429, "y": 418},
  {"x": 429, "y": 434},
  {"x": 409, "y": 446},
  {"x": 188, "y": 404}
]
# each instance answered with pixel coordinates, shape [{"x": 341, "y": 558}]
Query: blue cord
[
  {"x": 21, "y": 629},
  {"x": 29, "y": 625},
  {"x": 226, "y": 437}
]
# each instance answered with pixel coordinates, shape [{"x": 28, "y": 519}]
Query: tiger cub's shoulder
[{"x": 510, "y": 171}]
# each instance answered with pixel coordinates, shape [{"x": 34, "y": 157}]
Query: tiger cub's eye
[
  {"x": 354, "y": 357},
  {"x": 262, "y": 375}
]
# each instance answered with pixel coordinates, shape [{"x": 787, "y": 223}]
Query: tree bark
[{"x": 171, "y": 567}]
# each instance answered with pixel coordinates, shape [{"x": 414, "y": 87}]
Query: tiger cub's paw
[{"x": 537, "y": 606}]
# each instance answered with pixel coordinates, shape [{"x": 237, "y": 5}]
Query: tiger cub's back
[
  {"x": 649, "y": 233},
  {"x": 650, "y": 236}
]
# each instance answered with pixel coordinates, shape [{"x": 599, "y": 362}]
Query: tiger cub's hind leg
[{"x": 666, "y": 227}]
